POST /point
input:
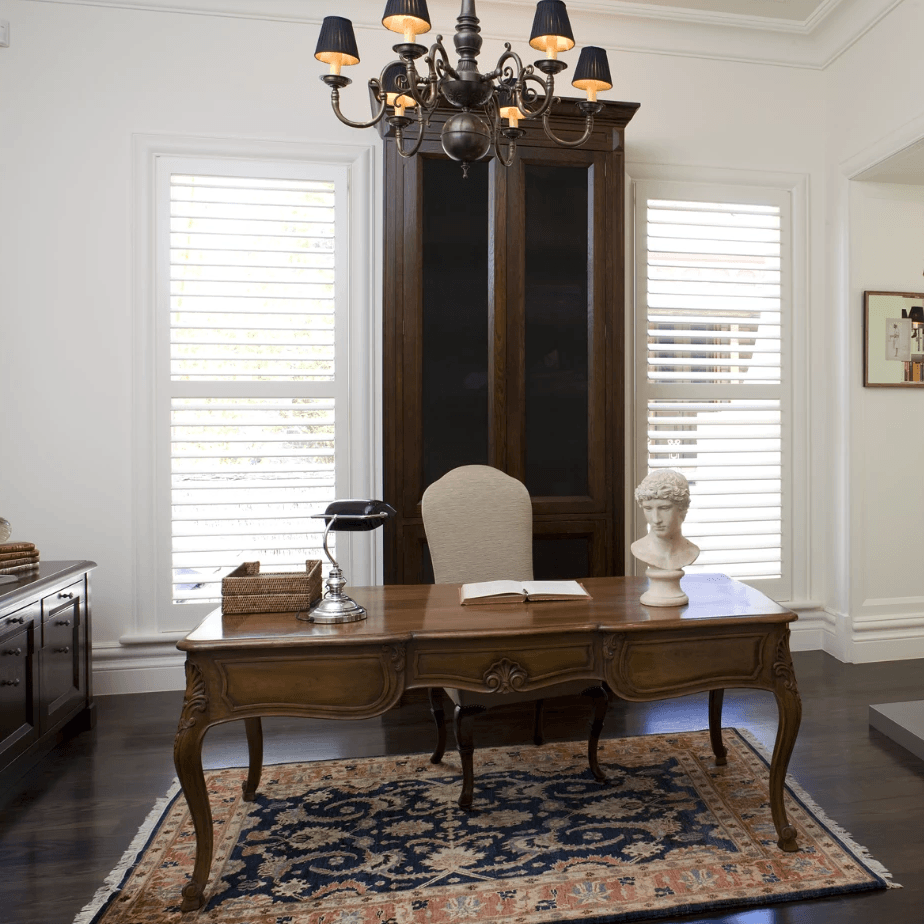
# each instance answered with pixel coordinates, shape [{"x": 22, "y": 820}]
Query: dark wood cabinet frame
[{"x": 599, "y": 514}]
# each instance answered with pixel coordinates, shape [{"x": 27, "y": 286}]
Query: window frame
[
  {"x": 787, "y": 194},
  {"x": 358, "y": 266}
]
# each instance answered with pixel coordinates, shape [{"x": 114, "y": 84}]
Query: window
[
  {"x": 252, "y": 369},
  {"x": 711, "y": 370}
]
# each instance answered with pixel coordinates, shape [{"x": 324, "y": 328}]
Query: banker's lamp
[{"x": 345, "y": 516}]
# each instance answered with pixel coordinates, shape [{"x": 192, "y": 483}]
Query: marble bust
[{"x": 664, "y": 497}]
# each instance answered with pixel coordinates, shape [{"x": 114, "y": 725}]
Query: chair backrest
[{"x": 479, "y": 526}]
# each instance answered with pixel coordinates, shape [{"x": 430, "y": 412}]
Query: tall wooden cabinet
[{"x": 503, "y": 336}]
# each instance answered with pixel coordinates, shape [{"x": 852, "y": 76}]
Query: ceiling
[
  {"x": 785, "y": 33},
  {"x": 794, "y": 11}
]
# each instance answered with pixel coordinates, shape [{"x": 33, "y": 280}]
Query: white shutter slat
[
  {"x": 252, "y": 285},
  {"x": 713, "y": 310}
]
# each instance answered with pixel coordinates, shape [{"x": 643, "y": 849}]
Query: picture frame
[{"x": 893, "y": 339}]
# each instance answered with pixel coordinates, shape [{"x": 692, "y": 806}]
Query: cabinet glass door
[
  {"x": 557, "y": 256},
  {"x": 454, "y": 394}
]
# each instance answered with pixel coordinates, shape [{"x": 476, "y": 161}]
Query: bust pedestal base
[{"x": 664, "y": 588}]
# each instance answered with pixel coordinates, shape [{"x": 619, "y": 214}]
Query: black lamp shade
[
  {"x": 916, "y": 314},
  {"x": 337, "y": 43},
  {"x": 593, "y": 70},
  {"x": 395, "y": 92},
  {"x": 407, "y": 16},
  {"x": 507, "y": 104},
  {"x": 551, "y": 27}
]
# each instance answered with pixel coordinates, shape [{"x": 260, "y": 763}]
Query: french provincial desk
[{"x": 252, "y": 665}]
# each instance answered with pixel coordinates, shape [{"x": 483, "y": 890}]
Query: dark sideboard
[{"x": 46, "y": 689}]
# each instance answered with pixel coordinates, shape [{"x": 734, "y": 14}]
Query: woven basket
[{"x": 246, "y": 590}]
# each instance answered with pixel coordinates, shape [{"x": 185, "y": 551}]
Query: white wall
[
  {"x": 877, "y": 243},
  {"x": 78, "y": 83}
]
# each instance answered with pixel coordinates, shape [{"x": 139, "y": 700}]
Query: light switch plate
[{"x": 4, "y": 34}]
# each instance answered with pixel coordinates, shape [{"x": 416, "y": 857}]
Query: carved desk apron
[{"x": 252, "y": 665}]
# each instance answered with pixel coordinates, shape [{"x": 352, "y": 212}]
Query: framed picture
[{"x": 894, "y": 339}]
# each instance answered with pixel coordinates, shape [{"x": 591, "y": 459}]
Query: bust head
[
  {"x": 664, "y": 497},
  {"x": 662, "y": 488}
]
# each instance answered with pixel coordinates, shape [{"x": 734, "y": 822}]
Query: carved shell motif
[
  {"x": 782, "y": 665},
  {"x": 196, "y": 701},
  {"x": 505, "y": 676}
]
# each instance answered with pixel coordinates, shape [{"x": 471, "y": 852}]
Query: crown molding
[{"x": 618, "y": 25}]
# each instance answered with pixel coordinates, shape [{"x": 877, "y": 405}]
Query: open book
[{"x": 521, "y": 591}]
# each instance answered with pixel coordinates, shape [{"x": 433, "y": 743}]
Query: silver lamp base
[{"x": 335, "y": 609}]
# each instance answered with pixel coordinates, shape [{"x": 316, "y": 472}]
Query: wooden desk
[{"x": 248, "y": 666}]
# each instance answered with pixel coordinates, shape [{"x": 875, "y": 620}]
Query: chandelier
[{"x": 510, "y": 93}]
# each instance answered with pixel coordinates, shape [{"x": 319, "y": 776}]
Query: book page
[
  {"x": 491, "y": 589},
  {"x": 554, "y": 588}
]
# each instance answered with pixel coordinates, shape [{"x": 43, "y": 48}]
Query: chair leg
[
  {"x": 465, "y": 721},
  {"x": 601, "y": 702},
  {"x": 716, "y": 698},
  {"x": 439, "y": 716},
  {"x": 538, "y": 736}
]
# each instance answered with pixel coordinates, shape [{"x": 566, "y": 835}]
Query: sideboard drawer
[
  {"x": 62, "y": 657},
  {"x": 19, "y": 722}
]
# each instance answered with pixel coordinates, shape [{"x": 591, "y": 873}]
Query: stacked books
[{"x": 19, "y": 558}]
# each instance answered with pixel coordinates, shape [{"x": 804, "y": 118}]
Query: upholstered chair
[{"x": 479, "y": 527}]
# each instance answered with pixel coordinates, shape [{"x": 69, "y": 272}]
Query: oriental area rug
[{"x": 382, "y": 841}]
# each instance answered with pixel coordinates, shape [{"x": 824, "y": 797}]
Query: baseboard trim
[{"x": 137, "y": 670}]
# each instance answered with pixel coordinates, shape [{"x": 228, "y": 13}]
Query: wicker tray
[{"x": 246, "y": 590}]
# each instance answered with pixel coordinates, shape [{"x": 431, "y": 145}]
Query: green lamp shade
[
  {"x": 593, "y": 70},
  {"x": 551, "y": 28},
  {"x": 407, "y": 17},
  {"x": 337, "y": 43}
]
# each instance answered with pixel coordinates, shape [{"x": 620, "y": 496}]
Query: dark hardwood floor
[{"x": 67, "y": 823}]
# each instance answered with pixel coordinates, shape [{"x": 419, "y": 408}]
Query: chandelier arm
[
  {"x": 415, "y": 81},
  {"x": 548, "y": 85},
  {"x": 501, "y": 71},
  {"x": 588, "y": 128},
  {"x": 438, "y": 48},
  {"x": 379, "y": 95},
  {"x": 399, "y": 137},
  {"x": 511, "y": 151}
]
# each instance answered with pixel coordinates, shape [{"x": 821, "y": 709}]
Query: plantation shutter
[
  {"x": 712, "y": 294},
  {"x": 252, "y": 391}
]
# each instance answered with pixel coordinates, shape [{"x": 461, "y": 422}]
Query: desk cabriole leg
[
  {"x": 464, "y": 722},
  {"x": 187, "y": 757},
  {"x": 254, "y": 728},
  {"x": 716, "y": 698},
  {"x": 789, "y": 705},
  {"x": 601, "y": 702}
]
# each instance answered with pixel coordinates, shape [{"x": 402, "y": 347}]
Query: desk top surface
[{"x": 402, "y": 612}]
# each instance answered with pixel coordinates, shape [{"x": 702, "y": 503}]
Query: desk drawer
[
  {"x": 645, "y": 666},
  {"x": 349, "y": 683},
  {"x": 523, "y": 665}
]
